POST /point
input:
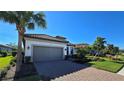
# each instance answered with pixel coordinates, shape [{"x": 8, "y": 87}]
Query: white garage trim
[{"x": 32, "y": 42}]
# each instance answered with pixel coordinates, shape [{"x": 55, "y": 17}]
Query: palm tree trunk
[
  {"x": 19, "y": 53},
  {"x": 23, "y": 40}
]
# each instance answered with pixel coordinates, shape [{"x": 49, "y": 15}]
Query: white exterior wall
[
  {"x": 35, "y": 42},
  {"x": 70, "y": 48}
]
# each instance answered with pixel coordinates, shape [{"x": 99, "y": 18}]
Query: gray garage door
[{"x": 41, "y": 54}]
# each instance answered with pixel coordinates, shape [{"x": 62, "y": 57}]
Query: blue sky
[{"x": 78, "y": 27}]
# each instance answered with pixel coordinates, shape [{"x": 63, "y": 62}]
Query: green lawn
[
  {"x": 108, "y": 66},
  {"x": 105, "y": 58},
  {"x": 121, "y": 57},
  {"x": 4, "y": 61}
]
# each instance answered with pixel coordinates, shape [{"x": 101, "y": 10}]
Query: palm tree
[{"x": 23, "y": 20}]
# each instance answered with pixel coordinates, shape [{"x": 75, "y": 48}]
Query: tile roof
[
  {"x": 70, "y": 44},
  {"x": 81, "y": 45},
  {"x": 47, "y": 37}
]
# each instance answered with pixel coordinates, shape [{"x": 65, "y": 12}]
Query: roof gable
[{"x": 46, "y": 37}]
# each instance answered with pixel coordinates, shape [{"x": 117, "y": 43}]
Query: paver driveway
[
  {"x": 91, "y": 74},
  {"x": 51, "y": 70}
]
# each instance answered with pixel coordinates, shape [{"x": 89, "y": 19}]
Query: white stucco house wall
[
  {"x": 71, "y": 49},
  {"x": 41, "y": 47}
]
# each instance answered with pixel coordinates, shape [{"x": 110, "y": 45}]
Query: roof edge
[{"x": 46, "y": 39}]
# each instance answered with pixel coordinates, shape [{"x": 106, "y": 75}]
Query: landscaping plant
[
  {"x": 23, "y": 20},
  {"x": 3, "y": 53},
  {"x": 99, "y": 46},
  {"x": 3, "y": 73}
]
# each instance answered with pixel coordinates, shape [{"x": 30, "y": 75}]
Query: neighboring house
[
  {"x": 81, "y": 45},
  {"x": 41, "y": 47},
  {"x": 5, "y": 48},
  {"x": 72, "y": 48}
]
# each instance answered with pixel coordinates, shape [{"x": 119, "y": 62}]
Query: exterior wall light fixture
[{"x": 28, "y": 47}]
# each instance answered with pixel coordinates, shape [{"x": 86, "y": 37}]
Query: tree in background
[
  {"x": 116, "y": 50},
  {"x": 13, "y": 45},
  {"x": 111, "y": 49},
  {"x": 99, "y": 45},
  {"x": 121, "y": 51},
  {"x": 83, "y": 51},
  {"x": 23, "y": 20}
]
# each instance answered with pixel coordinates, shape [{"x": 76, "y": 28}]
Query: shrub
[
  {"x": 68, "y": 56},
  {"x": 13, "y": 61},
  {"x": 9, "y": 53},
  {"x": 101, "y": 59},
  {"x": 118, "y": 59},
  {"x": 4, "y": 54},
  {"x": 3, "y": 73},
  {"x": 81, "y": 60},
  {"x": 79, "y": 56},
  {"x": 95, "y": 59},
  {"x": 27, "y": 59},
  {"x": 14, "y": 54},
  {"x": 13, "y": 64},
  {"x": 83, "y": 51},
  {"x": 75, "y": 56},
  {"x": 8, "y": 67}
]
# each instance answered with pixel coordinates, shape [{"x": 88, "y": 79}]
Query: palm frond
[
  {"x": 26, "y": 19},
  {"x": 39, "y": 20},
  {"x": 31, "y": 26},
  {"x": 9, "y": 17}
]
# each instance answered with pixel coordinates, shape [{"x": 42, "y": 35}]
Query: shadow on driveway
[{"x": 50, "y": 70}]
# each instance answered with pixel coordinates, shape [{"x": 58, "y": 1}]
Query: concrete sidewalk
[{"x": 121, "y": 72}]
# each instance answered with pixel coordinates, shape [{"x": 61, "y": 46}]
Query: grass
[
  {"x": 107, "y": 65},
  {"x": 5, "y": 61},
  {"x": 121, "y": 57},
  {"x": 30, "y": 78},
  {"x": 105, "y": 58}
]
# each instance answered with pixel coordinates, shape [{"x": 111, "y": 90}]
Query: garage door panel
[{"x": 47, "y": 53}]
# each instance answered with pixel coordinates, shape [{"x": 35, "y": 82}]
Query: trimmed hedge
[
  {"x": 83, "y": 60},
  {"x": 3, "y": 54}
]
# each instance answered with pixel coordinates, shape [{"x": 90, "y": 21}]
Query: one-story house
[
  {"x": 41, "y": 47},
  {"x": 6, "y": 48}
]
